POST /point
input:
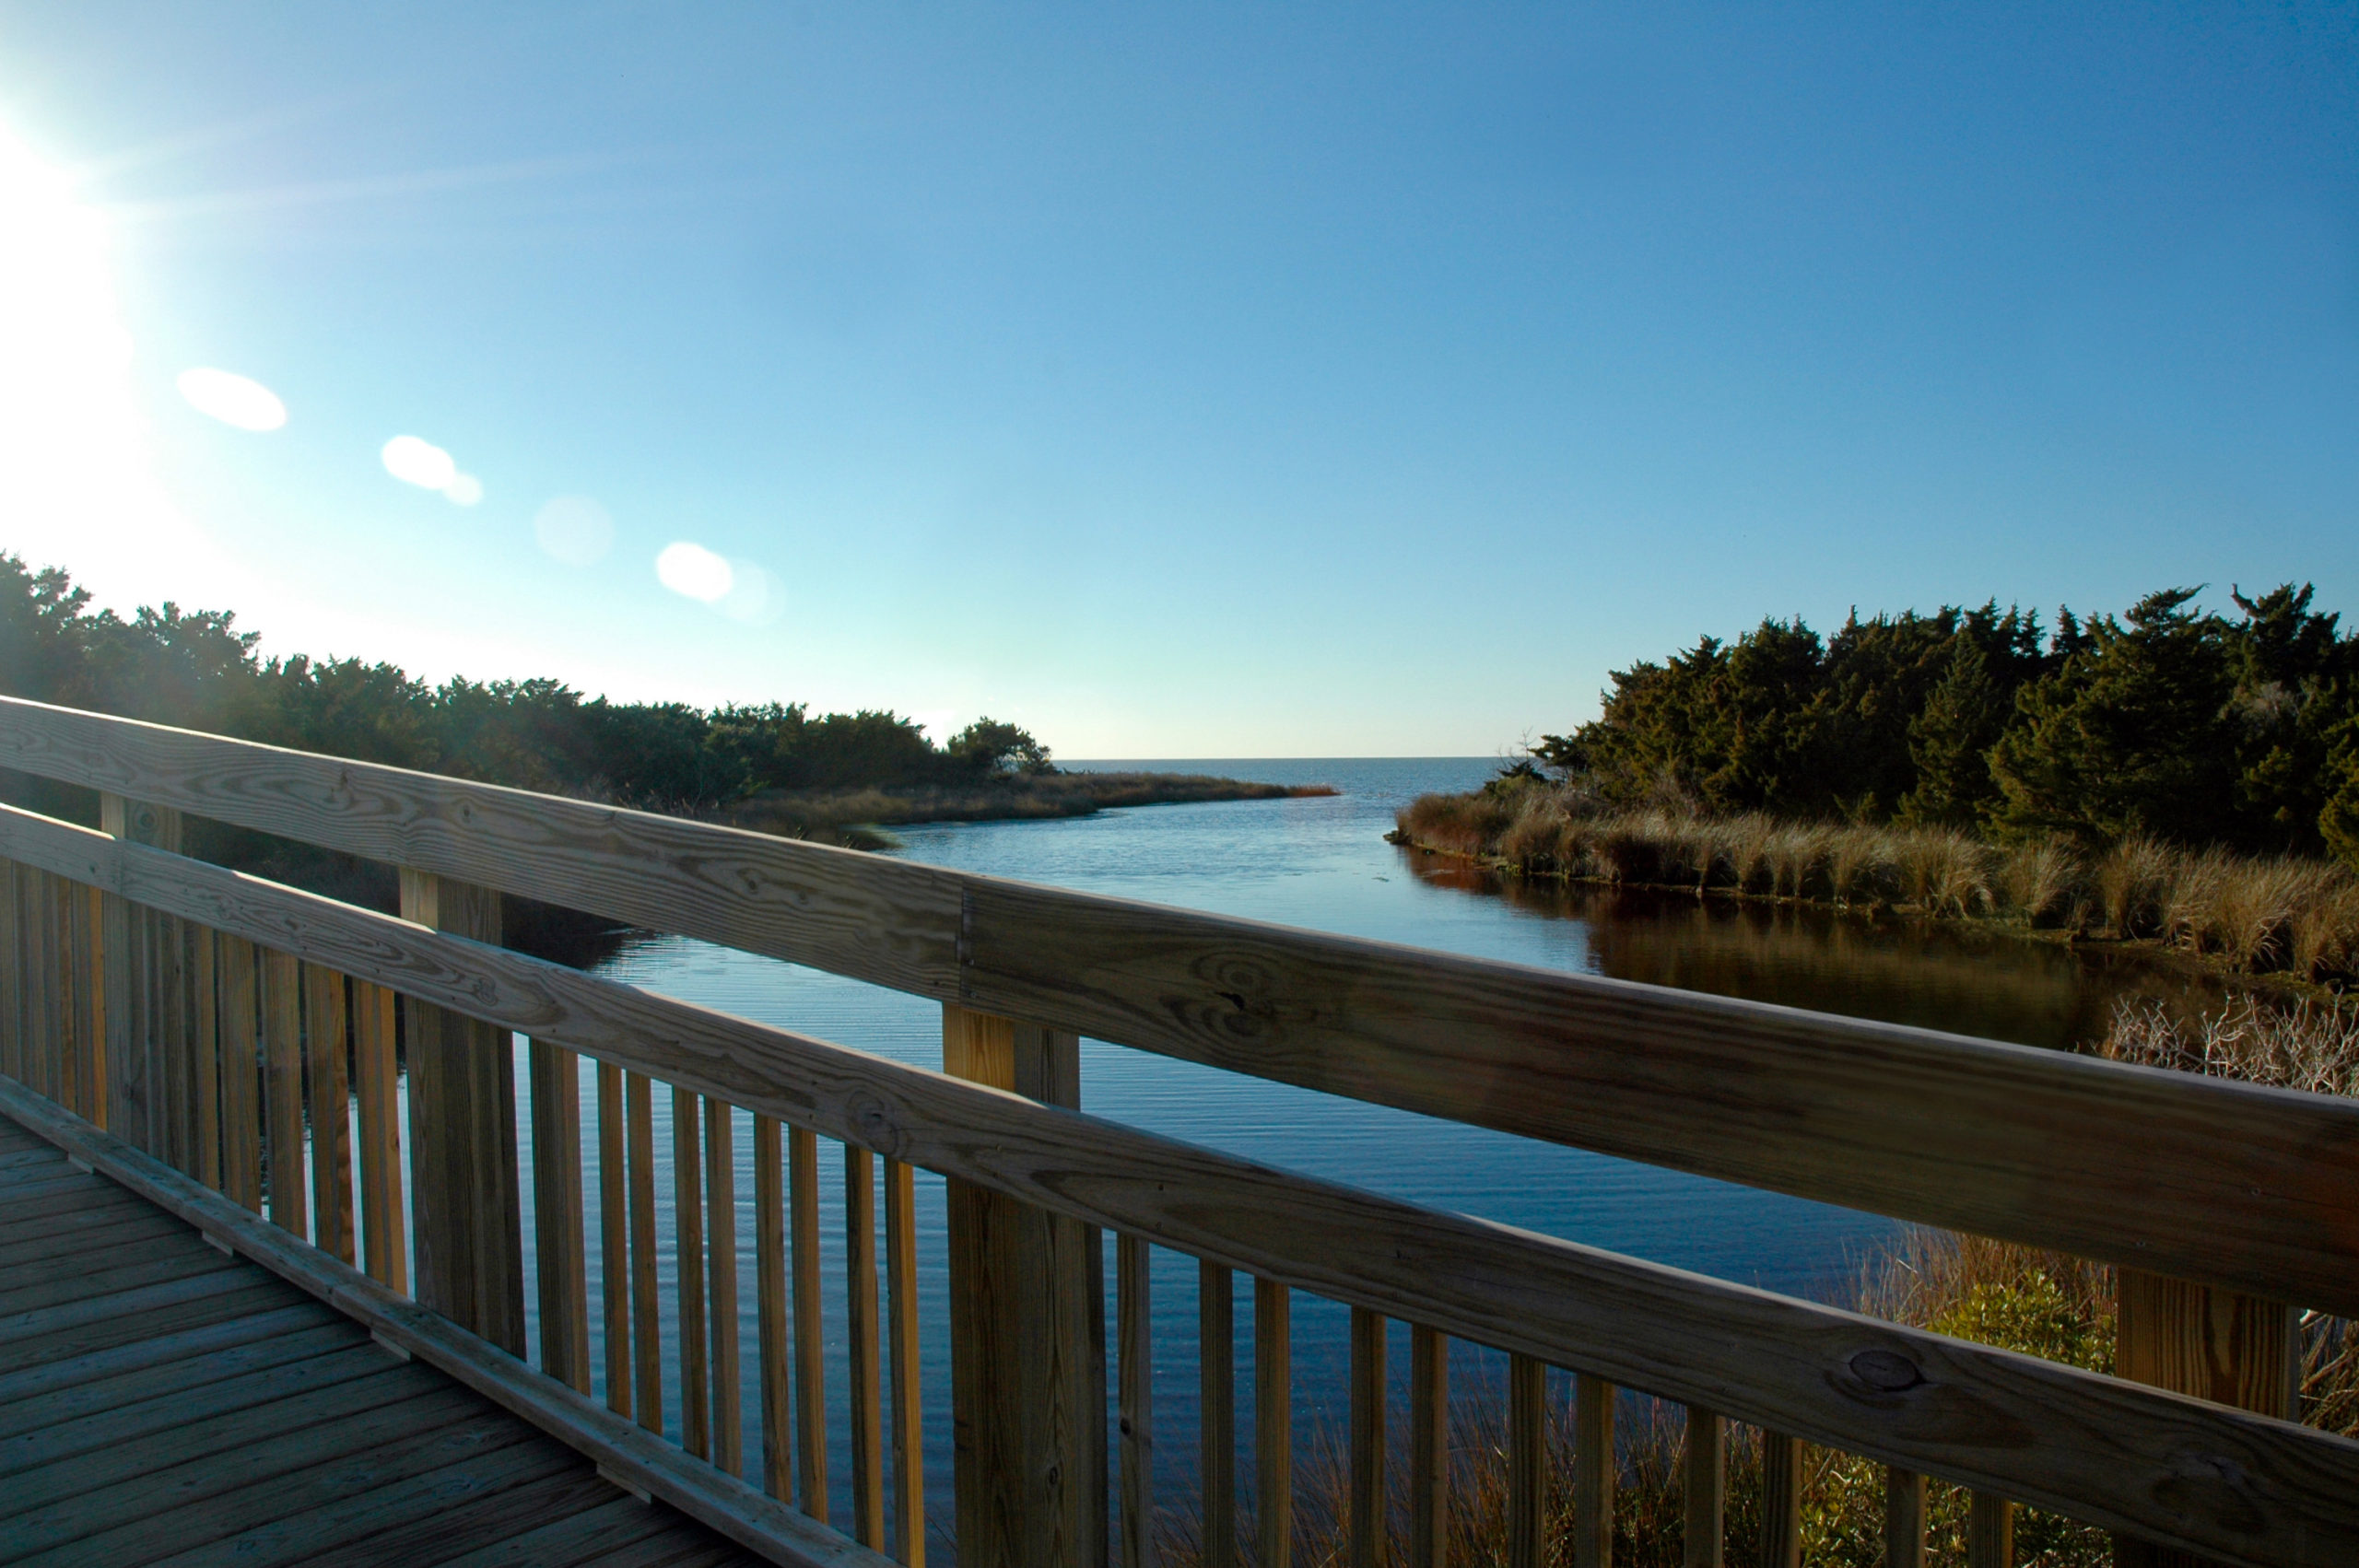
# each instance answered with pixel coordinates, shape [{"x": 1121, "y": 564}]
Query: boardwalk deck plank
[{"x": 162, "y": 1402}]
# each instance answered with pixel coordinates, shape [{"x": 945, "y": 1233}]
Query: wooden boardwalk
[{"x": 163, "y": 1402}]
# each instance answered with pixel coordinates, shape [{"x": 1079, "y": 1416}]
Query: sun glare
[
  {"x": 694, "y": 571},
  {"x": 74, "y": 457},
  {"x": 232, "y": 399}
]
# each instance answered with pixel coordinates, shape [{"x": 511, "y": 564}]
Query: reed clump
[{"x": 2279, "y": 915}]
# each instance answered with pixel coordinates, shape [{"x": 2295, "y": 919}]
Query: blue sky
[{"x": 1196, "y": 380}]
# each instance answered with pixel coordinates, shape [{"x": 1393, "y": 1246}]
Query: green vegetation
[
  {"x": 774, "y": 767},
  {"x": 2171, "y": 776},
  {"x": 2168, "y": 723},
  {"x": 2047, "y": 1305}
]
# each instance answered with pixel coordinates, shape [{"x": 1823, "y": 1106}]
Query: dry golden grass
[{"x": 2260, "y": 914}]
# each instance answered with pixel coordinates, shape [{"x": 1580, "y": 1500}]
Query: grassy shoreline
[
  {"x": 852, "y": 816},
  {"x": 2295, "y": 921}
]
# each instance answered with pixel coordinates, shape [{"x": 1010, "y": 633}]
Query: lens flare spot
[
  {"x": 752, "y": 596},
  {"x": 577, "y": 531},
  {"x": 234, "y": 400},
  {"x": 419, "y": 463},
  {"x": 464, "y": 489},
  {"x": 694, "y": 571}
]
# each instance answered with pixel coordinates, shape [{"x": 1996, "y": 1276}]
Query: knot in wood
[
  {"x": 879, "y": 1123},
  {"x": 1887, "y": 1372}
]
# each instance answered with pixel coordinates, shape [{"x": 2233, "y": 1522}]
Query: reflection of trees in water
[{"x": 1965, "y": 978}]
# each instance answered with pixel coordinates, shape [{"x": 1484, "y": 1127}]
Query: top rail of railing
[{"x": 2230, "y": 1184}]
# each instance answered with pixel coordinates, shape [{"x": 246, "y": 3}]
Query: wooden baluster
[
  {"x": 1592, "y": 1472},
  {"x": 282, "y": 1007},
  {"x": 902, "y": 1328},
  {"x": 50, "y": 1021},
  {"x": 464, "y": 1191},
  {"x": 646, "y": 1309},
  {"x": 866, "y": 1373},
  {"x": 1990, "y": 1532},
  {"x": 1527, "y": 1461},
  {"x": 1216, "y": 1406},
  {"x": 1704, "y": 1503},
  {"x": 384, "y": 1229},
  {"x": 1366, "y": 1526},
  {"x": 240, "y": 1076},
  {"x": 331, "y": 1111},
  {"x": 168, "y": 969},
  {"x": 687, "y": 1242},
  {"x": 133, "y": 1105},
  {"x": 810, "y": 1348},
  {"x": 1273, "y": 1422},
  {"x": 1134, "y": 1331},
  {"x": 559, "y": 1240},
  {"x": 85, "y": 917},
  {"x": 1028, "y": 1331},
  {"x": 769, "y": 1300},
  {"x": 613, "y": 1238},
  {"x": 12, "y": 979},
  {"x": 1781, "y": 1501},
  {"x": 2216, "y": 1344},
  {"x": 1429, "y": 1446},
  {"x": 1904, "y": 1519},
  {"x": 720, "y": 1294},
  {"x": 205, "y": 961}
]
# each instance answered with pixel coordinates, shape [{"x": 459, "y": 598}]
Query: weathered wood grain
[
  {"x": 205, "y": 944},
  {"x": 1989, "y": 1532},
  {"x": 1594, "y": 1464},
  {"x": 863, "y": 1345},
  {"x": 688, "y": 1273},
  {"x": 1272, "y": 1421},
  {"x": 902, "y": 1330},
  {"x": 384, "y": 1221},
  {"x": 1703, "y": 1482},
  {"x": 327, "y": 1054},
  {"x": 1527, "y": 1462},
  {"x": 242, "y": 1096},
  {"x": 614, "y": 1240},
  {"x": 637, "y": 1458},
  {"x": 1366, "y": 1525},
  {"x": 890, "y": 922},
  {"x": 1781, "y": 1501},
  {"x": 1217, "y": 1410},
  {"x": 464, "y": 1192},
  {"x": 646, "y": 1304},
  {"x": 1134, "y": 1330},
  {"x": 1904, "y": 1519},
  {"x": 282, "y": 1021},
  {"x": 810, "y": 1343},
  {"x": 770, "y": 1309},
  {"x": 2232, "y": 1185},
  {"x": 1428, "y": 1447},
  {"x": 559, "y": 1227},
  {"x": 720, "y": 1287},
  {"x": 2103, "y": 1450}
]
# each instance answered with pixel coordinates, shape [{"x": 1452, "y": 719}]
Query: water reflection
[{"x": 1965, "y": 978}]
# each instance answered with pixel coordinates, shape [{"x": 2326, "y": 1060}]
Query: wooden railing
[{"x": 227, "y": 1026}]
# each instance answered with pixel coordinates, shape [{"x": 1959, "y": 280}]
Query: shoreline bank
[{"x": 850, "y": 815}]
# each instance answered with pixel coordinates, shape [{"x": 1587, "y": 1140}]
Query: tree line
[
  {"x": 197, "y": 670},
  {"x": 2168, "y": 722}
]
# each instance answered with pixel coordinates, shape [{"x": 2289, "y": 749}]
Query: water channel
[{"x": 1324, "y": 862}]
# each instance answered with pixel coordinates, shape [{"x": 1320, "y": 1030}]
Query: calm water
[{"x": 1323, "y": 862}]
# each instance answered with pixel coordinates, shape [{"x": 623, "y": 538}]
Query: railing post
[
  {"x": 132, "y": 1104},
  {"x": 1027, "y": 1333},
  {"x": 462, "y": 1138},
  {"x": 2217, "y": 1344}
]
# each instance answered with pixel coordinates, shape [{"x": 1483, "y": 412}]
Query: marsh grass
[
  {"x": 2043, "y": 1303},
  {"x": 2256, "y": 914}
]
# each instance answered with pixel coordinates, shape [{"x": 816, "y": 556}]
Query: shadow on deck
[{"x": 162, "y": 1401}]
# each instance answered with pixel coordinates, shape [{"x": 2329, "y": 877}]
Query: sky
[{"x": 1174, "y": 380}]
